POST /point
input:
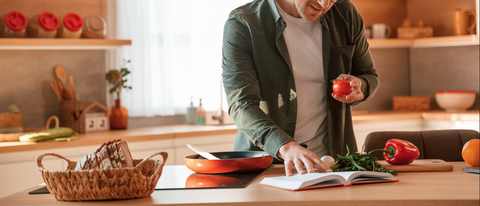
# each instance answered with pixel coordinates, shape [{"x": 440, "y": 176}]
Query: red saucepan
[{"x": 229, "y": 162}]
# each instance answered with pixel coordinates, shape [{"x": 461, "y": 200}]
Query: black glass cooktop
[
  {"x": 177, "y": 177},
  {"x": 180, "y": 177}
]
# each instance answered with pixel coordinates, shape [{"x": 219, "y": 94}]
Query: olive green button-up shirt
[{"x": 259, "y": 82}]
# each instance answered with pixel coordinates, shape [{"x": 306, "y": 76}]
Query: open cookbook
[{"x": 331, "y": 179}]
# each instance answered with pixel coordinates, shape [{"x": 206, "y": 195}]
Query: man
[{"x": 278, "y": 59}]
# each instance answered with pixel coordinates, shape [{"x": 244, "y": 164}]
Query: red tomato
[{"x": 342, "y": 88}]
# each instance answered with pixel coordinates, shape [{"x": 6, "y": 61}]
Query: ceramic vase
[{"x": 118, "y": 116}]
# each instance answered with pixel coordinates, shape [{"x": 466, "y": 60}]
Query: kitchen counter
[
  {"x": 415, "y": 188},
  {"x": 185, "y": 131}
]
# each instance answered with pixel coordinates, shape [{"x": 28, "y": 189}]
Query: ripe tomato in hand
[{"x": 342, "y": 88}]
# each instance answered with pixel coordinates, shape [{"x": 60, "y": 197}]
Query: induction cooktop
[{"x": 180, "y": 177}]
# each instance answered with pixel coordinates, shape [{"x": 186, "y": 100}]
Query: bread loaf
[{"x": 111, "y": 154}]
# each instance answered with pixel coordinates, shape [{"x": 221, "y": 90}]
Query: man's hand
[
  {"x": 295, "y": 156},
  {"x": 356, "y": 94}
]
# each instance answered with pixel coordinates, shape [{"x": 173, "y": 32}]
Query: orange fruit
[{"x": 471, "y": 153}]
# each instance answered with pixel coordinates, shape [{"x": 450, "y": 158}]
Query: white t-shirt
[{"x": 304, "y": 43}]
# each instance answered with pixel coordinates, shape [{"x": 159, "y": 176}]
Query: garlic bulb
[{"x": 328, "y": 160}]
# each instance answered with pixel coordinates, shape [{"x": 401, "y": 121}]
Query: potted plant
[{"x": 118, "y": 114}]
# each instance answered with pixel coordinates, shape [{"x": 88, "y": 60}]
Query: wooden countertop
[
  {"x": 416, "y": 188},
  {"x": 181, "y": 131},
  {"x": 470, "y": 115},
  {"x": 129, "y": 135}
]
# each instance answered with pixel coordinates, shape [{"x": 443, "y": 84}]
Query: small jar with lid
[
  {"x": 13, "y": 25},
  {"x": 95, "y": 26},
  {"x": 70, "y": 26},
  {"x": 43, "y": 25}
]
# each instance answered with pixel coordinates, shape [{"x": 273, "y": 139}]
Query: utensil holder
[{"x": 72, "y": 115}]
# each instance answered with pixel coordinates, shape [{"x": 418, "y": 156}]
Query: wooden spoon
[
  {"x": 202, "y": 153},
  {"x": 62, "y": 76},
  {"x": 71, "y": 86},
  {"x": 55, "y": 89}
]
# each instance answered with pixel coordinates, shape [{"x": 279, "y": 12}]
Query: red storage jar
[
  {"x": 43, "y": 25},
  {"x": 13, "y": 24},
  {"x": 70, "y": 26}
]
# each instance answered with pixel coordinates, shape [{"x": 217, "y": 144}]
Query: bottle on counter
[
  {"x": 95, "y": 26},
  {"x": 201, "y": 114},
  {"x": 43, "y": 25},
  {"x": 13, "y": 25},
  {"x": 191, "y": 115},
  {"x": 70, "y": 26}
]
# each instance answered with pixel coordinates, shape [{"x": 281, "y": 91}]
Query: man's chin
[{"x": 310, "y": 18}]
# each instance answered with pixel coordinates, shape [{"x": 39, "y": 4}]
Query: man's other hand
[
  {"x": 297, "y": 157},
  {"x": 356, "y": 94}
]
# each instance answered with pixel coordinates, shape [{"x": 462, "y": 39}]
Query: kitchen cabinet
[
  {"x": 16, "y": 176},
  {"x": 436, "y": 13}
]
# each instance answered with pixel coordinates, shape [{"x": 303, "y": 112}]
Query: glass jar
[
  {"x": 43, "y": 26},
  {"x": 70, "y": 26},
  {"x": 95, "y": 26},
  {"x": 13, "y": 25}
]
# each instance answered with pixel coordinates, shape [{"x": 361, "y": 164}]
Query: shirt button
[{"x": 292, "y": 124}]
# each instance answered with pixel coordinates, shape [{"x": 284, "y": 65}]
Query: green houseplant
[{"x": 118, "y": 114}]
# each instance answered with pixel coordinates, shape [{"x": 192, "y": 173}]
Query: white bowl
[{"x": 455, "y": 101}]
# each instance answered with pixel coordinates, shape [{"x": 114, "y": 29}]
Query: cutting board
[{"x": 420, "y": 165}]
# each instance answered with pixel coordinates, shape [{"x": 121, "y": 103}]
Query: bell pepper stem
[{"x": 389, "y": 151}]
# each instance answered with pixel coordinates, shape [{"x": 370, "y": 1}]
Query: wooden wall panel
[
  {"x": 58, "y": 7},
  {"x": 437, "y": 13},
  {"x": 390, "y": 12}
]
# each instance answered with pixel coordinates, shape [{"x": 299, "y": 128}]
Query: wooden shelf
[
  {"x": 465, "y": 40},
  {"x": 61, "y": 44}
]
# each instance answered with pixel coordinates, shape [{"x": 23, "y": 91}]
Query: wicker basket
[
  {"x": 411, "y": 103},
  {"x": 103, "y": 184}
]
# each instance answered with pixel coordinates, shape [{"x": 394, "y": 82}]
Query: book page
[
  {"x": 301, "y": 181},
  {"x": 370, "y": 176},
  {"x": 346, "y": 175},
  {"x": 315, "y": 180},
  {"x": 363, "y": 176}
]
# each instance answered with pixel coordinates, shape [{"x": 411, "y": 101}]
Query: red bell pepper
[{"x": 399, "y": 152}]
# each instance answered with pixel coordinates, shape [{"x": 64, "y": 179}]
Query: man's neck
[{"x": 288, "y": 6}]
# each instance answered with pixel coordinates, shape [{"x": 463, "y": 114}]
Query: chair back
[{"x": 432, "y": 144}]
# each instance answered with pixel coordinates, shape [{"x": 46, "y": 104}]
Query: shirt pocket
[{"x": 341, "y": 58}]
